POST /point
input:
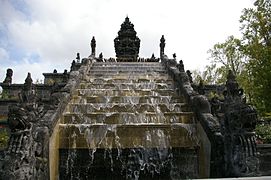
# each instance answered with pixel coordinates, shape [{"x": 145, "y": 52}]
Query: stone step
[
  {"x": 128, "y": 117},
  {"x": 114, "y": 91},
  {"x": 148, "y": 79},
  {"x": 127, "y": 86},
  {"x": 130, "y": 80},
  {"x": 126, "y": 107},
  {"x": 128, "y": 99},
  {"x": 147, "y": 64},
  {"x": 130, "y": 76},
  {"x": 124, "y": 68},
  {"x": 126, "y": 71},
  {"x": 127, "y": 136}
]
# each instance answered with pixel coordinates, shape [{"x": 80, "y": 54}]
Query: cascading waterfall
[{"x": 127, "y": 122}]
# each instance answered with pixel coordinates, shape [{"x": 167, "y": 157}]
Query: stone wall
[{"x": 265, "y": 159}]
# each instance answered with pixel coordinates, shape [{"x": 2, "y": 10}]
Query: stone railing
[
  {"x": 201, "y": 108},
  {"x": 229, "y": 126}
]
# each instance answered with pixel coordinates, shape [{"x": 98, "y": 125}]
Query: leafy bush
[
  {"x": 263, "y": 132},
  {"x": 3, "y": 138}
]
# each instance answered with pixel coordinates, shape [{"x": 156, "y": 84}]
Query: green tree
[
  {"x": 256, "y": 29},
  {"x": 224, "y": 56}
]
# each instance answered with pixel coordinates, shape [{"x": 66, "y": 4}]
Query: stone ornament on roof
[
  {"x": 127, "y": 43},
  {"x": 93, "y": 46},
  {"x": 8, "y": 79}
]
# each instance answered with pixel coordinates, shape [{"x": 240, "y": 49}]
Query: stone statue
[
  {"x": 174, "y": 55},
  {"x": 100, "y": 59},
  {"x": 24, "y": 156},
  {"x": 189, "y": 74},
  {"x": 180, "y": 66},
  {"x": 162, "y": 46},
  {"x": 28, "y": 93},
  {"x": 78, "y": 57},
  {"x": 239, "y": 121},
  {"x": 73, "y": 68},
  {"x": 93, "y": 46},
  {"x": 8, "y": 79}
]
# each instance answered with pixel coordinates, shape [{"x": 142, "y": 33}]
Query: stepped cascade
[{"x": 126, "y": 120}]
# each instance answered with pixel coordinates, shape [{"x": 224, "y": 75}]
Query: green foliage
[
  {"x": 264, "y": 133},
  {"x": 3, "y": 138},
  {"x": 224, "y": 56},
  {"x": 248, "y": 57},
  {"x": 4, "y": 95},
  {"x": 256, "y": 29}
]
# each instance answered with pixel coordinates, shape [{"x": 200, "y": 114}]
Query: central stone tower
[{"x": 127, "y": 43}]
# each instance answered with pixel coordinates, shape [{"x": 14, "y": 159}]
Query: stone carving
[
  {"x": 8, "y": 79},
  {"x": 216, "y": 105},
  {"x": 78, "y": 58},
  {"x": 23, "y": 157},
  {"x": 201, "y": 88},
  {"x": 100, "y": 59},
  {"x": 162, "y": 46},
  {"x": 239, "y": 121},
  {"x": 93, "y": 46},
  {"x": 189, "y": 74},
  {"x": 73, "y": 68},
  {"x": 152, "y": 56},
  {"x": 174, "y": 55},
  {"x": 65, "y": 76},
  {"x": 201, "y": 104},
  {"x": 127, "y": 43},
  {"x": 180, "y": 66}
]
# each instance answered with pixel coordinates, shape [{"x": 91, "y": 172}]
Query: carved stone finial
[
  {"x": 78, "y": 57},
  {"x": 8, "y": 78},
  {"x": 232, "y": 86},
  {"x": 189, "y": 74},
  {"x": 180, "y": 66},
  {"x": 162, "y": 46},
  {"x": 93, "y": 46},
  {"x": 127, "y": 43},
  {"x": 174, "y": 55},
  {"x": 28, "y": 81},
  {"x": 73, "y": 68},
  {"x": 101, "y": 57}
]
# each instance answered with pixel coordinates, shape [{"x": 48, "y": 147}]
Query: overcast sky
[{"x": 42, "y": 35}]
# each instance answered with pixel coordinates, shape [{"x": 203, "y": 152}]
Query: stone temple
[{"x": 126, "y": 118}]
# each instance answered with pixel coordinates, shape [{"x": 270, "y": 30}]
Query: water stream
[{"x": 127, "y": 122}]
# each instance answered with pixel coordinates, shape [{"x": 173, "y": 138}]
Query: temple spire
[{"x": 127, "y": 43}]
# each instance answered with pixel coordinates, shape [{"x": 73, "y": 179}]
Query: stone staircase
[{"x": 123, "y": 114}]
